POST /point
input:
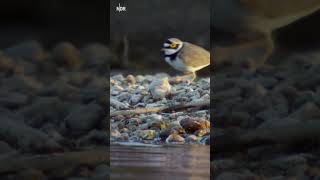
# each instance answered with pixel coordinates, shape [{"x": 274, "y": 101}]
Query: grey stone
[
  {"x": 84, "y": 118},
  {"x": 45, "y": 109},
  {"x": 12, "y": 99},
  {"x": 29, "y": 50}
]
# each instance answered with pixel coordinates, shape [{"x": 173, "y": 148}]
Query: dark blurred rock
[
  {"x": 309, "y": 79},
  {"x": 31, "y": 174},
  {"x": 96, "y": 55},
  {"x": 101, "y": 172},
  {"x": 227, "y": 94},
  {"x": 5, "y": 147},
  {"x": 253, "y": 105},
  {"x": 63, "y": 90},
  {"x": 66, "y": 55},
  {"x": 95, "y": 137},
  {"x": 25, "y": 67},
  {"x": 303, "y": 98},
  {"x": 89, "y": 95},
  {"x": 44, "y": 110},
  {"x": 30, "y": 50},
  {"x": 6, "y": 63},
  {"x": 288, "y": 161},
  {"x": 78, "y": 79},
  {"x": 17, "y": 134},
  {"x": 84, "y": 118},
  {"x": 164, "y": 134},
  {"x": 307, "y": 111},
  {"x": 23, "y": 84},
  {"x": 236, "y": 118},
  {"x": 53, "y": 131},
  {"x": 4, "y": 112},
  {"x": 223, "y": 165},
  {"x": 12, "y": 99}
]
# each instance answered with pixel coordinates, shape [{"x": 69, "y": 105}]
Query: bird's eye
[{"x": 173, "y": 45}]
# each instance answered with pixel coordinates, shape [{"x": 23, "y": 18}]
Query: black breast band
[{"x": 174, "y": 55}]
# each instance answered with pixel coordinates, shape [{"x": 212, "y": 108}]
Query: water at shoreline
[{"x": 186, "y": 162}]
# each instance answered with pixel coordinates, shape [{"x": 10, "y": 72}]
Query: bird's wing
[
  {"x": 277, "y": 9},
  {"x": 194, "y": 56}
]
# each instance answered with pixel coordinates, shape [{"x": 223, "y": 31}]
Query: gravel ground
[
  {"x": 266, "y": 124},
  {"x": 174, "y": 126},
  {"x": 52, "y": 106}
]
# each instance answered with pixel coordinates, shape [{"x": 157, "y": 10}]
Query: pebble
[
  {"x": 152, "y": 91},
  {"x": 81, "y": 123},
  {"x": 160, "y": 88},
  {"x": 175, "y": 139},
  {"x": 135, "y": 99},
  {"x": 12, "y": 99},
  {"x": 51, "y": 103},
  {"x": 191, "y": 139},
  {"x": 131, "y": 79},
  {"x": 191, "y": 125},
  {"x": 147, "y": 134}
]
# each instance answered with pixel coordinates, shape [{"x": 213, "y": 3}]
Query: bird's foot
[{"x": 184, "y": 78}]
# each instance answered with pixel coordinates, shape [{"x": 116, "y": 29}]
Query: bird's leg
[
  {"x": 194, "y": 76},
  {"x": 184, "y": 78},
  {"x": 179, "y": 79}
]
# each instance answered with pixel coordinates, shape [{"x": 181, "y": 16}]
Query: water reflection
[{"x": 160, "y": 163}]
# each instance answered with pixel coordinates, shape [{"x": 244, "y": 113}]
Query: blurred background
[
  {"x": 52, "y": 21},
  {"x": 54, "y": 78},
  {"x": 300, "y": 36},
  {"x": 146, "y": 24},
  {"x": 265, "y": 118}
]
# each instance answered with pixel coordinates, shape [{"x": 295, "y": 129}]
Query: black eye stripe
[{"x": 169, "y": 42}]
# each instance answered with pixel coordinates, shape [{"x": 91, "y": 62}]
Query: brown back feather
[{"x": 194, "y": 55}]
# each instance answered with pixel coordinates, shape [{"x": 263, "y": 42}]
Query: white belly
[{"x": 178, "y": 65}]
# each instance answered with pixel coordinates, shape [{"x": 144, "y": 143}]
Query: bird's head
[{"x": 172, "y": 46}]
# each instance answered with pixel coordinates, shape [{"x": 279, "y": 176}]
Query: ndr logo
[{"x": 120, "y": 8}]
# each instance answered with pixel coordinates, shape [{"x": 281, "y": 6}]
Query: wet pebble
[
  {"x": 192, "y": 125},
  {"x": 175, "y": 139}
]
